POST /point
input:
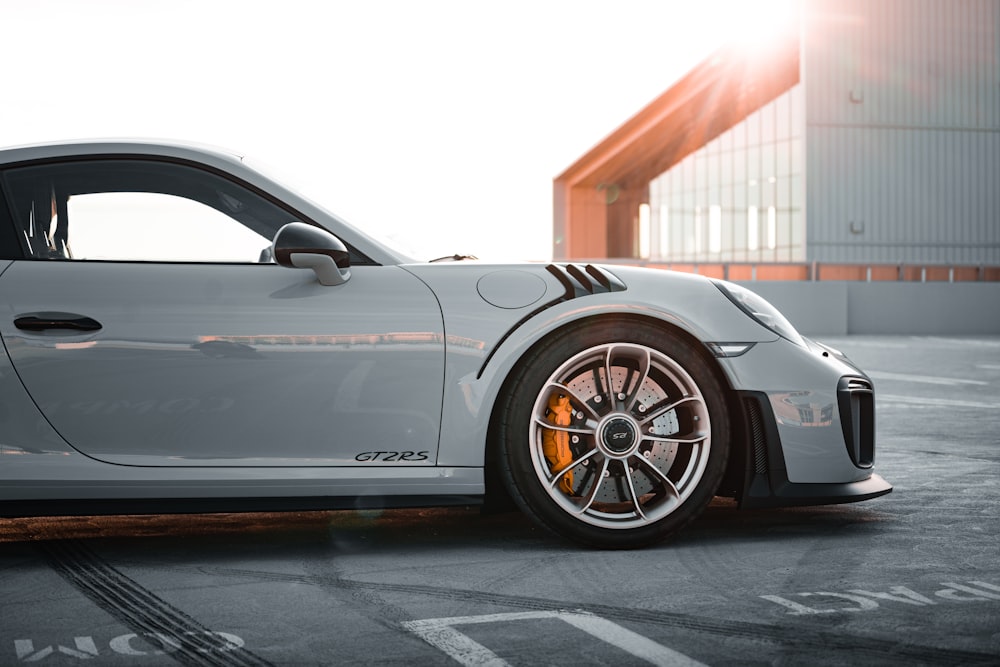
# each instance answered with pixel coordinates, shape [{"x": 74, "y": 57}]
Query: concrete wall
[{"x": 838, "y": 308}]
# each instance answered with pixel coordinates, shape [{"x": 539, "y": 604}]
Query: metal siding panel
[
  {"x": 939, "y": 191},
  {"x": 909, "y": 52},
  {"x": 955, "y": 218},
  {"x": 991, "y": 83},
  {"x": 906, "y": 53},
  {"x": 989, "y": 202},
  {"x": 920, "y": 178},
  {"x": 840, "y": 198},
  {"x": 928, "y": 68},
  {"x": 954, "y": 233},
  {"x": 925, "y": 196},
  {"x": 872, "y": 191},
  {"x": 970, "y": 198},
  {"x": 919, "y": 159},
  {"x": 867, "y": 182},
  {"x": 895, "y": 212},
  {"x": 962, "y": 152},
  {"x": 986, "y": 65},
  {"x": 991, "y": 199},
  {"x": 993, "y": 80},
  {"x": 820, "y": 180},
  {"x": 936, "y": 84}
]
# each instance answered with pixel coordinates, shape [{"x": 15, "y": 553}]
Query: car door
[{"x": 150, "y": 327}]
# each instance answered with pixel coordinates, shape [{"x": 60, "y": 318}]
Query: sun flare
[{"x": 756, "y": 25}]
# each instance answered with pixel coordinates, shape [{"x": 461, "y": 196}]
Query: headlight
[{"x": 759, "y": 309}]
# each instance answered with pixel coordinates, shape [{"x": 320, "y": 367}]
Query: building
[{"x": 863, "y": 142}]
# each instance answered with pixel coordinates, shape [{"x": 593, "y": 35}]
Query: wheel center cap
[{"x": 618, "y": 435}]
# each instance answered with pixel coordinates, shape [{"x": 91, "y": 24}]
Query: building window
[
  {"x": 751, "y": 172},
  {"x": 715, "y": 229},
  {"x": 772, "y": 228},
  {"x": 644, "y": 231}
]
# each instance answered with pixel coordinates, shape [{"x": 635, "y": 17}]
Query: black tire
[{"x": 664, "y": 421}]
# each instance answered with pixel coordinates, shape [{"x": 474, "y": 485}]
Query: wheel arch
[{"x": 497, "y": 499}]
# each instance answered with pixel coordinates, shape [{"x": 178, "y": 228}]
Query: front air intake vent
[
  {"x": 585, "y": 280},
  {"x": 856, "y": 401}
]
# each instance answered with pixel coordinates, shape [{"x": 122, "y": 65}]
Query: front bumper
[{"x": 766, "y": 481}]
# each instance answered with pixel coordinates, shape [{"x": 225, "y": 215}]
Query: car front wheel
[{"x": 615, "y": 434}]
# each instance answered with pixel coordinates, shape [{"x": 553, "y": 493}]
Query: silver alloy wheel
[{"x": 633, "y": 443}]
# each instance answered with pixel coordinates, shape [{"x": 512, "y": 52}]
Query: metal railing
[{"x": 816, "y": 271}]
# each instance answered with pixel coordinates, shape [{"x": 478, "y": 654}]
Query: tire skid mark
[
  {"x": 366, "y": 602},
  {"x": 783, "y": 636},
  {"x": 141, "y": 610}
]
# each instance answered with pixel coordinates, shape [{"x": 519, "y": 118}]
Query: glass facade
[{"x": 739, "y": 198}]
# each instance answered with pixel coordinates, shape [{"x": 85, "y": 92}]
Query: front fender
[{"x": 485, "y": 342}]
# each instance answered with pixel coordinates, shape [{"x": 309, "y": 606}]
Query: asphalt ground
[{"x": 910, "y": 578}]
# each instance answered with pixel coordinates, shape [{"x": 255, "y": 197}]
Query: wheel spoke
[
  {"x": 659, "y": 412},
  {"x": 670, "y": 440},
  {"x": 660, "y": 476},
  {"x": 586, "y": 429},
  {"x": 640, "y": 376},
  {"x": 588, "y": 500},
  {"x": 633, "y": 494},
  {"x": 609, "y": 388},
  {"x": 559, "y": 474}
]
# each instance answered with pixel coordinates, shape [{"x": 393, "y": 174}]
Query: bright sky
[{"x": 438, "y": 124}]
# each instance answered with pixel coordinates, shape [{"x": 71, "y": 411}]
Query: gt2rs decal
[{"x": 392, "y": 456}]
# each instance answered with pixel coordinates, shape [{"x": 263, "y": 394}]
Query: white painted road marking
[
  {"x": 935, "y": 402},
  {"x": 440, "y": 633},
  {"x": 925, "y": 379},
  {"x": 963, "y": 342}
]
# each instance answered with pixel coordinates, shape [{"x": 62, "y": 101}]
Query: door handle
[{"x": 46, "y": 321}]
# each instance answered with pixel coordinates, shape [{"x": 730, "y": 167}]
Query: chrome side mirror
[{"x": 301, "y": 246}]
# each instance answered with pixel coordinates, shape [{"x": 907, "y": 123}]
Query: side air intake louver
[
  {"x": 581, "y": 281},
  {"x": 758, "y": 440}
]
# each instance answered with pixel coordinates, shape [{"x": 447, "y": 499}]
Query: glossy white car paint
[
  {"x": 187, "y": 371},
  {"x": 476, "y": 372},
  {"x": 255, "y": 381}
]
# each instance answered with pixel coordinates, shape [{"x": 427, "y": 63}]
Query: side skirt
[{"x": 94, "y": 507}]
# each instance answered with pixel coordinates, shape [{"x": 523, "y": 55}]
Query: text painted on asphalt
[
  {"x": 856, "y": 599},
  {"x": 150, "y": 643}
]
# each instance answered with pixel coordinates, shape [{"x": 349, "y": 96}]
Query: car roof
[{"x": 160, "y": 148}]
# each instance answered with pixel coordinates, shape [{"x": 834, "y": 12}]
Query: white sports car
[{"x": 183, "y": 334}]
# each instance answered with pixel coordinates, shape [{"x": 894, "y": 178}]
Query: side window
[
  {"x": 150, "y": 226},
  {"x": 137, "y": 210}
]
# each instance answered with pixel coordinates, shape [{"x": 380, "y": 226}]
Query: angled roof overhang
[{"x": 721, "y": 91}]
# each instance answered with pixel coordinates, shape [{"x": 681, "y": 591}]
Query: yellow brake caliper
[{"x": 555, "y": 444}]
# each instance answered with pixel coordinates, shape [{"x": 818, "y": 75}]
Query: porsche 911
[{"x": 182, "y": 333}]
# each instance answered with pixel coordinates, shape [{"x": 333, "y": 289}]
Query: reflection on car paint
[
  {"x": 169, "y": 406},
  {"x": 801, "y": 408}
]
